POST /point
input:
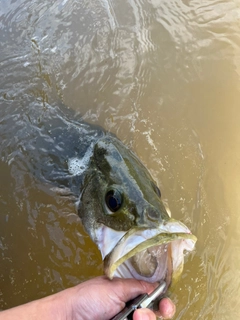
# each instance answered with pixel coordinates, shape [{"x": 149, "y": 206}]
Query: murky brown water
[{"x": 165, "y": 77}]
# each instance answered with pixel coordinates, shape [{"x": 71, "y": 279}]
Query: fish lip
[{"x": 161, "y": 235}]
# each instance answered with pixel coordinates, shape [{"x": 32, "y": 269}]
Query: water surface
[{"x": 165, "y": 77}]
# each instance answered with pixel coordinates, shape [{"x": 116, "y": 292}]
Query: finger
[
  {"x": 167, "y": 309},
  {"x": 144, "y": 314},
  {"x": 129, "y": 288}
]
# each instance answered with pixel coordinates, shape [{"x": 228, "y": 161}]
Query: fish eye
[
  {"x": 113, "y": 200},
  {"x": 156, "y": 189}
]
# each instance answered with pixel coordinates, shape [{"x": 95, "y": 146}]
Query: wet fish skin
[
  {"x": 114, "y": 167},
  {"x": 41, "y": 138},
  {"x": 48, "y": 136},
  {"x": 61, "y": 150}
]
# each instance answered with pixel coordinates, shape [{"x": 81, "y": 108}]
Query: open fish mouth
[{"x": 150, "y": 254}]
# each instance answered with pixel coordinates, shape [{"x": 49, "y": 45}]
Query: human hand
[
  {"x": 101, "y": 299},
  {"x": 96, "y": 299}
]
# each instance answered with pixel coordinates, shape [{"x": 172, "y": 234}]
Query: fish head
[{"x": 121, "y": 209}]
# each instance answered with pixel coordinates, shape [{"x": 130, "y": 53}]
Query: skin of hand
[{"x": 95, "y": 299}]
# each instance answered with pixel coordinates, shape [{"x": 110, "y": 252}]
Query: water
[{"x": 163, "y": 76}]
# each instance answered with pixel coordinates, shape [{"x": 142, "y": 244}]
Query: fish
[
  {"x": 117, "y": 200},
  {"x": 121, "y": 208}
]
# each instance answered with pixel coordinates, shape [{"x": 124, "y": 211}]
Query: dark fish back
[{"x": 41, "y": 139}]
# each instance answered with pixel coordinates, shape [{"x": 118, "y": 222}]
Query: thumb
[{"x": 128, "y": 289}]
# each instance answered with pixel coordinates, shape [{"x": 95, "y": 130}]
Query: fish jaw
[{"x": 146, "y": 254}]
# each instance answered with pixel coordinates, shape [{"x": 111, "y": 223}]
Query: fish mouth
[{"x": 150, "y": 254}]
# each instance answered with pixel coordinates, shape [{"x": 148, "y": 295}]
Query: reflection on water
[{"x": 162, "y": 75}]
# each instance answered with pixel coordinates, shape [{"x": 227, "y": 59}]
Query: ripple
[{"x": 164, "y": 76}]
